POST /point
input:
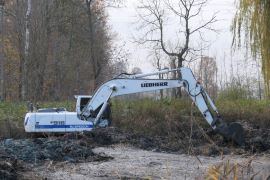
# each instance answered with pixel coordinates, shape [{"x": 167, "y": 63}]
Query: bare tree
[
  {"x": 26, "y": 50},
  {"x": 2, "y": 3},
  {"x": 96, "y": 61},
  {"x": 156, "y": 15},
  {"x": 40, "y": 46},
  {"x": 158, "y": 65},
  {"x": 54, "y": 46},
  {"x": 174, "y": 75},
  {"x": 136, "y": 70},
  {"x": 95, "y": 69},
  {"x": 206, "y": 72},
  {"x": 118, "y": 61},
  {"x": 113, "y": 3}
]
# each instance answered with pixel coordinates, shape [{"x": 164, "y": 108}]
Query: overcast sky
[{"x": 123, "y": 22}]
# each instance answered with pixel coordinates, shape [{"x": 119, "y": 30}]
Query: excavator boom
[
  {"x": 93, "y": 111},
  {"x": 137, "y": 83}
]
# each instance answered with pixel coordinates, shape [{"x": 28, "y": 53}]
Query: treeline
[{"x": 69, "y": 49}]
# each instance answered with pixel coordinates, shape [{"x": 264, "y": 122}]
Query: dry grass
[
  {"x": 228, "y": 170},
  {"x": 165, "y": 117},
  {"x": 153, "y": 117},
  {"x": 250, "y": 110}
]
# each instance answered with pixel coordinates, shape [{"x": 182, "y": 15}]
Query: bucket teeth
[{"x": 233, "y": 131}]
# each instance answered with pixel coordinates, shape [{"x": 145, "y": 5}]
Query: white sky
[{"x": 123, "y": 22}]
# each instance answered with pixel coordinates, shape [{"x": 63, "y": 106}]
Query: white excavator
[{"x": 93, "y": 111}]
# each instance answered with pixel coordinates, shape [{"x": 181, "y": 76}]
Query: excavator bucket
[{"x": 233, "y": 131}]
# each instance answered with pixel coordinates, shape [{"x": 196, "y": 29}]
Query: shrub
[
  {"x": 233, "y": 93},
  {"x": 251, "y": 110},
  {"x": 153, "y": 117}
]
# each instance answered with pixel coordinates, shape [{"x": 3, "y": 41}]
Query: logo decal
[{"x": 157, "y": 84}]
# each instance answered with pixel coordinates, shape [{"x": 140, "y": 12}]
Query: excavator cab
[{"x": 81, "y": 102}]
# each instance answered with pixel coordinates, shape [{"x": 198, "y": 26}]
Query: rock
[
  {"x": 69, "y": 159},
  {"x": 257, "y": 139},
  {"x": 8, "y": 142},
  {"x": 7, "y": 170}
]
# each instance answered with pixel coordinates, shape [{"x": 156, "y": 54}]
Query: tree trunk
[
  {"x": 180, "y": 64},
  {"x": 174, "y": 75},
  {"x": 44, "y": 57},
  {"x": 26, "y": 51},
  {"x": 161, "y": 91},
  {"x": 93, "y": 75},
  {"x": 2, "y": 52},
  {"x": 56, "y": 69}
]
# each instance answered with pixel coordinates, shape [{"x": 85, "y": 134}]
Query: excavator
[{"x": 94, "y": 112}]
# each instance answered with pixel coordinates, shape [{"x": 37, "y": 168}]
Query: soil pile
[
  {"x": 17, "y": 155},
  {"x": 257, "y": 138},
  {"x": 8, "y": 169},
  {"x": 55, "y": 149}
]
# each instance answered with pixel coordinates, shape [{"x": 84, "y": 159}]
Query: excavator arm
[{"x": 137, "y": 84}]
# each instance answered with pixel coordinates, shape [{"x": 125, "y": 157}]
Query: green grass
[
  {"x": 163, "y": 117},
  {"x": 15, "y": 111},
  {"x": 151, "y": 117},
  {"x": 12, "y": 111},
  {"x": 154, "y": 117},
  {"x": 254, "y": 111}
]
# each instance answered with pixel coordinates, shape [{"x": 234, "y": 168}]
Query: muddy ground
[
  {"x": 134, "y": 163},
  {"x": 114, "y": 154}
]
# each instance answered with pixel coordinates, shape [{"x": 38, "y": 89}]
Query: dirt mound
[
  {"x": 17, "y": 155},
  {"x": 8, "y": 169},
  {"x": 257, "y": 139},
  {"x": 8, "y": 166},
  {"x": 55, "y": 149}
]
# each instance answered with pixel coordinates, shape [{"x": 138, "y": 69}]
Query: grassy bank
[
  {"x": 168, "y": 116},
  {"x": 256, "y": 112},
  {"x": 153, "y": 117}
]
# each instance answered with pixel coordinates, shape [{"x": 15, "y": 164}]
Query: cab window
[{"x": 84, "y": 101}]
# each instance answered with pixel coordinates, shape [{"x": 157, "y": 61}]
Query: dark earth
[{"x": 18, "y": 154}]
